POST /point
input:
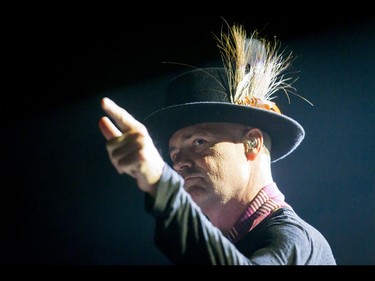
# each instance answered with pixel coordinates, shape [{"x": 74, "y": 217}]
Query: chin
[
  {"x": 195, "y": 195},
  {"x": 199, "y": 198},
  {"x": 195, "y": 190}
]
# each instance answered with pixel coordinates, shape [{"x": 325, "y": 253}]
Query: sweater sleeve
[{"x": 182, "y": 232}]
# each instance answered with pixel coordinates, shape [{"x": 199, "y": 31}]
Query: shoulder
[
  {"x": 290, "y": 231},
  {"x": 285, "y": 238},
  {"x": 286, "y": 222}
]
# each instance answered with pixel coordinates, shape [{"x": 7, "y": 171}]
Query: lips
[
  {"x": 191, "y": 175},
  {"x": 191, "y": 180}
]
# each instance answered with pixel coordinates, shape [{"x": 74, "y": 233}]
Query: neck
[{"x": 225, "y": 215}]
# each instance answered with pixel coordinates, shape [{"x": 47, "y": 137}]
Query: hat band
[{"x": 258, "y": 103}]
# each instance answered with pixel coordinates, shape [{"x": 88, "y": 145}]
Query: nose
[{"x": 182, "y": 160}]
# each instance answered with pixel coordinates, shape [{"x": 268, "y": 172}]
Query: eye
[{"x": 199, "y": 142}]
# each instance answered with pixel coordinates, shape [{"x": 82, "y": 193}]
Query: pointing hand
[{"x": 130, "y": 147}]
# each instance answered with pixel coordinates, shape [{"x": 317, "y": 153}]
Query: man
[{"x": 204, "y": 163}]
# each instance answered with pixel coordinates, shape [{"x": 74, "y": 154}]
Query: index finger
[{"x": 120, "y": 116}]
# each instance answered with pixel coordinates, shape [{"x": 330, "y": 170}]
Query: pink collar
[{"x": 268, "y": 200}]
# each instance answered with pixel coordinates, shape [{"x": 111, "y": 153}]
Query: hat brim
[{"x": 286, "y": 134}]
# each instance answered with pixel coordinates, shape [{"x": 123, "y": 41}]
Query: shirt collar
[{"x": 268, "y": 200}]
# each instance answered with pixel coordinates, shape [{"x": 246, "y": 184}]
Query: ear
[{"x": 253, "y": 142}]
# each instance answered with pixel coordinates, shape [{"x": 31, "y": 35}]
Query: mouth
[
  {"x": 188, "y": 181},
  {"x": 193, "y": 184},
  {"x": 192, "y": 180}
]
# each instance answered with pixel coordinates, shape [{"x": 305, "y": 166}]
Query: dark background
[{"x": 62, "y": 203}]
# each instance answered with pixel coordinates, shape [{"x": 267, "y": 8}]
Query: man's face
[{"x": 211, "y": 159}]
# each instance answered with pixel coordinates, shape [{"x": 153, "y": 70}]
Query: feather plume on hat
[
  {"x": 241, "y": 91},
  {"x": 254, "y": 68}
]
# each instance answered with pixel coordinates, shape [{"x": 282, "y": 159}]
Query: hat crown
[{"x": 198, "y": 85}]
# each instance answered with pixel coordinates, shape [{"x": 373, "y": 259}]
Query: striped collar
[{"x": 268, "y": 200}]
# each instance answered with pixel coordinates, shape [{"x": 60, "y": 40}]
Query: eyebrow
[
  {"x": 183, "y": 137},
  {"x": 189, "y": 135}
]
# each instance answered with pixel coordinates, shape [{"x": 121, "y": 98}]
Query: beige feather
[{"x": 254, "y": 67}]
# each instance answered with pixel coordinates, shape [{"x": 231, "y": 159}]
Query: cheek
[
  {"x": 227, "y": 161},
  {"x": 228, "y": 173}
]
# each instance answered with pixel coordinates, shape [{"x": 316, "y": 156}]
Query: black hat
[
  {"x": 240, "y": 92},
  {"x": 202, "y": 95}
]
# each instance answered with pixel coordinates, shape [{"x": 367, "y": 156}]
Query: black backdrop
[{"x": 62, "y": 202}]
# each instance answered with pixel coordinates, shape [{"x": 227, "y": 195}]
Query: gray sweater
[{"x": 185, "y": 235}]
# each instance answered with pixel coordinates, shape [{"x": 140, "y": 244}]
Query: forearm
[{"x": 182, "y": 232}]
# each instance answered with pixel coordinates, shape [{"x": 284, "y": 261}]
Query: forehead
[{"x": 217, "y": 128}]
